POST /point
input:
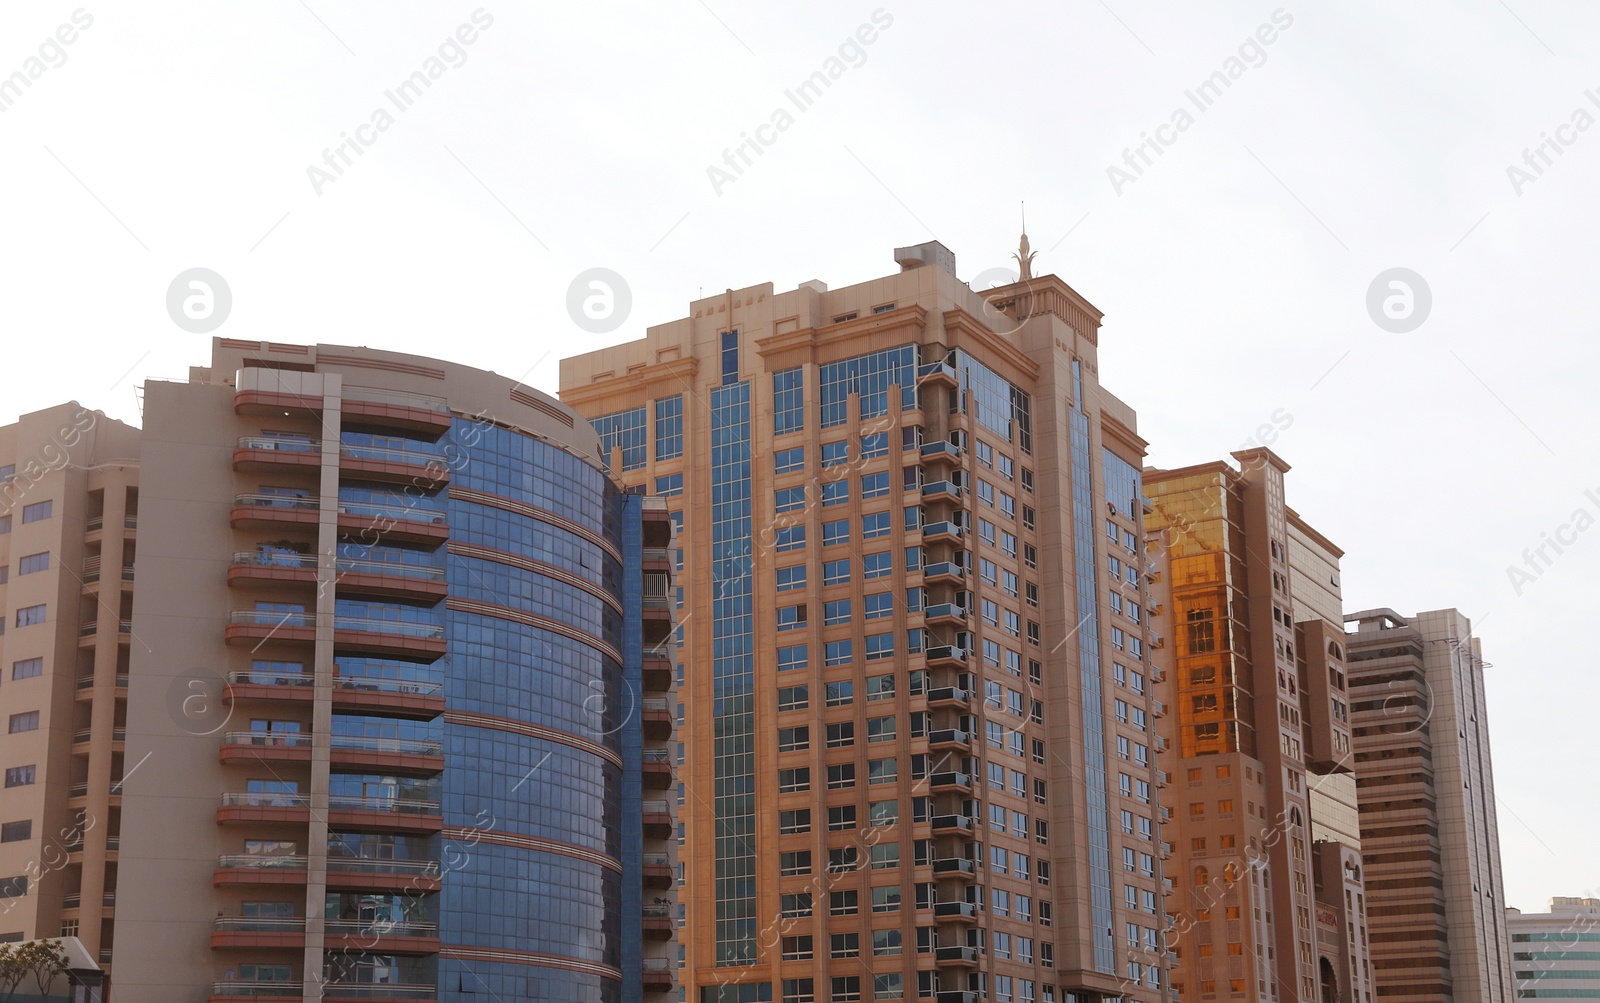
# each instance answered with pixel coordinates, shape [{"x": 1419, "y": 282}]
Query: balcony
[
  {"x": 965, "y": 912},
  {"x": 658, "y": 922},
  {"x": 950, "y": 739},
  {"x": 956, "y": 996},
  {"x": 256, "y": 992},
  {"x": 259, "y": 932},
  {"x": 657, "y": 769},
  {"x": 941, "y": 452},
  {"x": 937, "y": 373},
  {"x": 91, "y": 571},
  {"x": 88, "y": 632},
  {"x": 657, "y": 718},
  {"x": 941, "y": 490},
  {"x": 943, "y": 573},
  {"x": 397, "y": 638},
  {"x": 658, "y": 822},
  {"x": 954, "y": 867},
  {"x": 376, "y": 755},
  {"x": 370, "y": 522},
  {"x": 1158, "y": 709},
  {"x": 950, "y": 696},
  {"x": 935, "y": 532},
  {"x": 659, "y": 974},
  {"x": 269, "y": 454},
  {"x": 291, "y": 992},
  {"x": 373, "y": 814},
  {"x": 658, "y": 671},
  {"x": 956, "y": 957},
  {"x": 946, "y": 654},
  {"x": 391, "y": 697},
  {"x": 658, "y": 871},
  {"x": 946, "y": 613},
  {"x": 952, "y": 825},
  {"x": 950, "y": 782},
  {"x": 267, "y": 511},
  {"x": 256, "y": 869},
  {"x": 369, "y": 874},
  {"x": 425, "y": 471},
  {"x": 378, "y": 409},
  {"x": 251, "y": 626},
  {"x": 381, "y": 936}
]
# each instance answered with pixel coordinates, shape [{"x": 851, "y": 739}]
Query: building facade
[
  {"x": 380, "y": 718},
  {"x": 917, "y": 753},
  {"x": 1425, "y": 786},
  {"x": 1267, "y": 902},
  {"x": 1556, "y": 954},
  {"x": 69, "y": 504}
]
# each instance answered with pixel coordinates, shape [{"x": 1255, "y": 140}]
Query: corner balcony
[
  {"x": 950, "y": 696},
  {"x": 384, "y": 814},
  {"x": 941, "y": 452},
  {"x": 351, "y": 694},
  {"x": 950, "y": 740},
  {"x": 427, "y": 472},
  {"x": 937, "y": 374},
  {"x": 256, "y": 808},
  {"x": 261, "y": 454},
  {"x": 258, "y": 932},
  {"x": 956, "y": 957},
  {"x": 658, "y": 922},
  {"x": 657, "y": 769},
  {"x": 235, "y": 869},
  {"x": 250, "y": 626},
  {"x": 370, "y": 754},
  {"x": 943, "y": 490},
  {"x": 381, "y": 936},
  {"x": 946, "y": 614},
  {"x": 943, "y": 573},
  {"x": 657, "y": 718},
  {"x": 959, "y": 868},
  {"x": 953, "y": 783},
  {"x": 374, "y": 522},
  {"x": 659, "y": 974},
  {"x": 956, "y": 996},
  {"x": 946, "y": 531},
  {"x": 658, "y": 871},
  {"x": 399, "y": 638},
  {"x": 263, "y": 511},
  {"x": 369, "y": 874},
  {"x": 946, "y": 654},
  {"x": 952, "y": 825},
  {"x": 959, "y": 912},
  {"x": 388, "y": 579},
  {"x": 658, "y": 822}
]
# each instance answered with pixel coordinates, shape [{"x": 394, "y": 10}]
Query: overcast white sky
[{"x": 1233, "y": 273}]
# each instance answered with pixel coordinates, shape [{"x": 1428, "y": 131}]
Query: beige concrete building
[
  {"x": 395, "y": 706},
  {"x": 69, "y": 504},
  {"x": 1556, "y": 954},
  {"x": 918, "y": 730},
  {"x": 1425, "y": 785},
  {"x": 1267, "y": 899}
]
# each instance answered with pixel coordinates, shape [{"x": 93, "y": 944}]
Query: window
[
  {"x": 842, "y": 776},
  {"x": 835, "y": 493},
  {"x": 794, "y": 739},
  {"x": 794, "y": 822},
  {"x": 841, "y": 734},
  {"x": 27, "y": 616},
  {"x": 793, "y": 904},
  {"x": 836, "y": 572},
  {"x": 874, "y": 485},
  {"x": 886, "y": 898},
  {"x": 33, "y": 563},
  {"x": 841, "y": 693},
  {"x": 880, "y": 729},
  {"x": 791, "y": 617},
  {"x": 840, "y": 861},
  {"x": 882, "y": 771},
  {"x": 875, "y": 525},
  {"x": 886, "y": 943},
  {"x": 838, "y": 653},
  {"x": 27, "y": 668},
  {"x": 730, "y": 357},
  {"x": 19, "y": 776},
  {"x": 836, "y": 532},
  {"x": 794, "y": 862},
  {"x": 795, "y": 656},
  {"x": 836, "y": 612},
  {"x": 876, "y": 444},
  {"x": 889, "y": 985},
  {"x": 793, "y": 697},
  {"x": 841, "y": 817},
  {"x": 789, "y": 499},
  {"x": 876, "y": 565},
  {"x": 790, "y": 538},
  {"x": 794, "y": 781},
  {"x": 835, "y": 454},
  {"x": 669, "y": 428},
  {"x": 845, "y": 945},
  {"x": 786, "y": 460},
  {"x": 26, "y": 721},
  {"x": 845, "y": 988},
  {"x": 792, "y": 577},
  {"x": 37, "y": 511},
  {"x": 797, "y": 948},
  {"x": 986, "y": 492},
  {"x": 788, "y": 400},
  {"x": 16, "y": 832},
  {"x": 878, "y": 605},
  {"x": 799, "y": 991},
  {"x": 843, "y": 903}
]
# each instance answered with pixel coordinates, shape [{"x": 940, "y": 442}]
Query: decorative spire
[{"x": 1024, "y": 257}]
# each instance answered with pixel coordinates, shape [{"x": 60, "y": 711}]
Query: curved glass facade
[{"x": 509, "y": 783}]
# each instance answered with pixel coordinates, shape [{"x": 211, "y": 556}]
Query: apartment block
[
  {"x": 1425, "y": 787},
  {"x": 69, "y": 506},
  {"x": 917, "y": 752},
  {"x": 1267, "y": 897},
  {"x": 1554, "y": 954},
  {"x": 369, "y": 714}
]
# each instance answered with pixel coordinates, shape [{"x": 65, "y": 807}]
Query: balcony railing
[
  {"x": 389, "y": 454},
  {"x": 945, "y": 611},
  {"x": 400, "y": 746},
  {"x": 382, "y": 927},
  {"x": 657, "y": 911},
  {"x": 934, "y": 489},
  {"x": 657, "y": 808},
  {"x": 276, "y": 618},
  {"x": 251, "y": 990},
  {"x": 377, "y": 684},
  {"x": 370, "y": 990},
  {"x": 657, "y": 860},
  {"x": 657, "y": 756},
  {"x": 278, "y": 501},
  {"x": 265, "y": 799},
  {"x": 370, "y": 865},
  {"x": 259, "y": 924},
  {"x": 280, "y": 739},
  {"x": 342, "y": 802},
  {"x": 71, "y": 900},
  {"x": 413, "y": 513},
  {"x": 943, "y": 569},
  {"x": 290, "y": 559},
  {"x": 400, "y": 397},
  {"x": 936, "y": 370},
  {"x": 257, "y": 861},
  {"x": 274, "y": 444}
]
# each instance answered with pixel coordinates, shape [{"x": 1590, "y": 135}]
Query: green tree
[
  {"x": 44, "y": 960},
  {"x": 12, "y": 971}
]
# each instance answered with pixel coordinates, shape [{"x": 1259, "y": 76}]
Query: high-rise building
[
  {"x": 1556, "y": 954},
  {"x": 918, "y": 736},
  {"x": 1425, "y": 786},
  {"x": 377, "y": 719},
  {"x": 1268, "y": 901},
  {"x": 69, "y": 504}
]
